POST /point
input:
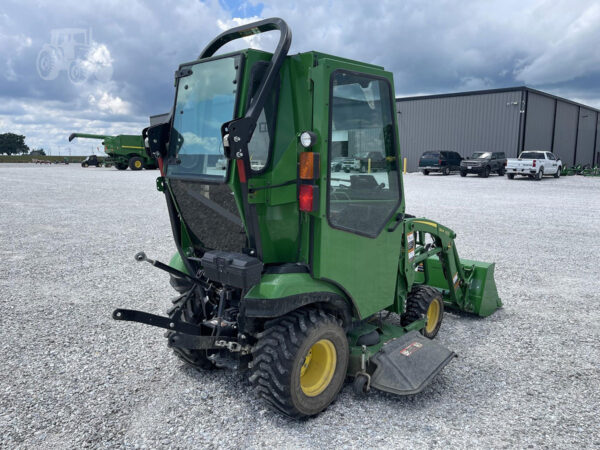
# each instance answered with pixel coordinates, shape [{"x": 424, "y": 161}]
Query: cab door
[{"x": 357, "y": 235}]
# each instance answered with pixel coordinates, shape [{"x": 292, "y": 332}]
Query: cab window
[{"x": 363, "y": 185}]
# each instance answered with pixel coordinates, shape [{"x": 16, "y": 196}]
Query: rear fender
[{"x": 279, "y": 294}]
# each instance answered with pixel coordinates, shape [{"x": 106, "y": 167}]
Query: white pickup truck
[{"x": 534, "y": 164}]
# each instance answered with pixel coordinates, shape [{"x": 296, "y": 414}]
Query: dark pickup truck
[
  {"x": 443, "y": 161},
  {"x": 484, "y": 163}
]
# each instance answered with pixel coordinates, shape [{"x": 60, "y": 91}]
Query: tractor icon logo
[{"x": 72, "y": 50}]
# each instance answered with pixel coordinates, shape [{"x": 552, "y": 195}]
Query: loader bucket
[{"x": 482, "y": 296}]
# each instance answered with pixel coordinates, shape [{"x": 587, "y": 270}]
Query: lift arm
[{"x": 432, "y": 259}]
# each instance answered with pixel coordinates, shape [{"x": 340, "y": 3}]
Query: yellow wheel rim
[
  {"x": 433, "y": 316},
  {"x": 318, "y": 368},
  {"x": 138, "y": 164}
]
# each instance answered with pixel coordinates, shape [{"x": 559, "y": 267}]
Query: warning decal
[{"x": 410, "y": 349}]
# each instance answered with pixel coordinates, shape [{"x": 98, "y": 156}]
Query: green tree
[{"x": 11, "y": 143}]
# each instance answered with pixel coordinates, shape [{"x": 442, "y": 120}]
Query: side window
[
  {"x": 456, "y": 156},
  {"x": 550, "y": 156},
  {"x": 259, "y": 147},
  {"x": 364, "y": 194}
]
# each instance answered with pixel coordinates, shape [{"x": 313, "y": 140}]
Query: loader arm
[{"x": 466, "y": 285}]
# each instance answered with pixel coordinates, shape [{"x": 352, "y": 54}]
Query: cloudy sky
[{"x": 133, "y": 47}]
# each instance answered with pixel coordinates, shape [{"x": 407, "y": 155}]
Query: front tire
[
  {"x": 557, "y": 174},
  {"x": 510, "y": 176},
  {"x": 121, "y": 166},
  {"x": 299, "y": 362},
  {"x": 463, "y": 173},
  {"x": 426, "y": 172},
  {"x": 424, "y": 302}
]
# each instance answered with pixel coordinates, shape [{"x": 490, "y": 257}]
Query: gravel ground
[{"x": 71, "y": 377}]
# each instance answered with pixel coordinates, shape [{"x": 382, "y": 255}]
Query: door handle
[{"x": 398, "y": 220}]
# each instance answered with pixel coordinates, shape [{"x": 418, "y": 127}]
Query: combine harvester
[
  {"x": 285, "y": 267},
  {"x": 123, "y": 150}
]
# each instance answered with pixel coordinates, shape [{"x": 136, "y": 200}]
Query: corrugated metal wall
[
  {"x": 460, "y": 123},
  {"x": 585, "y": 136},
  {"x": 565, "y": 131},
  {"x": 540, "y": 122},
  {"x": 493, "y": 121}
]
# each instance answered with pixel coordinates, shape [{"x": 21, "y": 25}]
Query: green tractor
[
  {"x": 285, "y": 268},
  {"x": 123, "y": 150}
]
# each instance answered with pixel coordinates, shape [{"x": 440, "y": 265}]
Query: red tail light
[
  {"x": 505, "y": 163},
  {"x": 440, "y": 162},
  {"x": 308, "y": 197},
  {"x": 534, "y": 163}
]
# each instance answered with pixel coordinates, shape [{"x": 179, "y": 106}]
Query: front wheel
[
  {"x": 426, "y": 172},
  {"x": 501, "y": 171},
  {"x": 510, "y": 176},
  {"x": 424, "y": 302},
  {"x": 557, "y": 174},
  {"x": 486, "y": 172},
  {"x": 299, "y": 362},
  {"x": 463, "y": 173}
]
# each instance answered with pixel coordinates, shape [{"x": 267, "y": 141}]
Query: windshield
[
  {"x": 483, "y": 155},
  {"x": 205, "y": 100},
  {"x": 532, "y": 155}
]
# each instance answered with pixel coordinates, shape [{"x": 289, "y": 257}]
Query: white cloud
[{"x": 106, "y": 102}]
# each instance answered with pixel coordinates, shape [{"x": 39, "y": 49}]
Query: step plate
[{"x": 407, "y": 364}]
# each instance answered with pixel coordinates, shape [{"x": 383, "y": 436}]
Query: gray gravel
[{"x": 71, "y": 377}]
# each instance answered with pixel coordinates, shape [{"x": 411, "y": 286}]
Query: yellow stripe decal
[
  {"x": 431, "y": 224},
  {"x": 130, "y": 146}
]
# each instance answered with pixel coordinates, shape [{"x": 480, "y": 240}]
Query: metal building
[{"x": 499, "y": 120}]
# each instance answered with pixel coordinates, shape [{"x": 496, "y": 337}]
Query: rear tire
[
  {"x": 510, "y": 176},
  {"x": 485, "y": 173},
  {"x": 501, "y": 172},
  {"x": 426, "y": 172},
  {"x": 186, "y": 309},
  {"x": 136, "y": 163},
  {"x": 121, "y": 166},
  {"x": 446, "y": 171},
  {"x": 424, "y": 302},
  {"x": 84, "y": 164},
  {"x": 540, "y": 174},
  {"x": 299, "y": 362}
]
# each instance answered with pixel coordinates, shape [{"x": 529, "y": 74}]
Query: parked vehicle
[
  {"x": 336, "y": 164},
  {"x": 364, "y": 162},
  {"x": 123, "y": 150},
  {"x": 534, "y": 164},
  {"x": 91, "y": 160},
  {"x": 267, "y": 261},
  {"x": 439, "y": 161},
  {"x": 483, "y": 163}
]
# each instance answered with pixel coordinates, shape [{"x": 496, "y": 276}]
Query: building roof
[{"x": 494, "y": 91}]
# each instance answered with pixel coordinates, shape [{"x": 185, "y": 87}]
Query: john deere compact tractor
[
  {"x": 124, "y": 150},
  {"x": 285, "y": 265}
]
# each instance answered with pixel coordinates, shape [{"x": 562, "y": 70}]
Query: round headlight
[{"x": 308, "y": 139}]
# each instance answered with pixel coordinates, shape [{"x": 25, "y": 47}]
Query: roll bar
[{"x": 285, "y": 40}]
